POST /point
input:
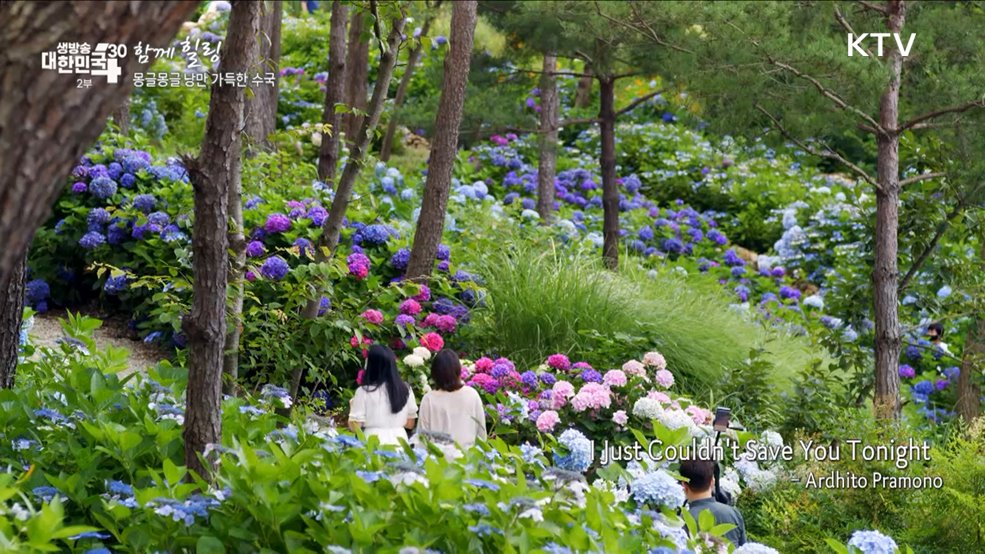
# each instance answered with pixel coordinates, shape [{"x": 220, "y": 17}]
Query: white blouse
[
  {"x": 459, "y": 414},
  {"x": 371, "y": 408}
]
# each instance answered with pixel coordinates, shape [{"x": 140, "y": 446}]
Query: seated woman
[
  {"x": 452, "y": 408},
  {"x": 384, "y": 405}
]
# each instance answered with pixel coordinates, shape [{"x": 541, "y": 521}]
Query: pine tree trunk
[
  {"x": 547, "y": 163},
  {"x": 973, "y": 363},
  {"x": 357, "y": 77},
  {"x": 412, "y": 59},
  {"x": 885, "y": 276},
  {"x": 11, "y": 311},
  {"x": 212, "y": 175},
  {"x": 332, "y": 227},
  {"x": 328, "y": 154},
  {"x": 121, "y": 116},
  {"x": 610, "y": 191},
  {"x": 583, "y": 94},
  {"x": 444, "y": 148},
  {"x": 261, "y": 109},
  {"x": 46, "y": 121}
]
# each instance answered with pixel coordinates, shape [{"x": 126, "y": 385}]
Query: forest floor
[{"x": 113, "y": 332}]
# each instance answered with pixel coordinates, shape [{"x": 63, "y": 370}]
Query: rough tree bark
[
  {"x": 583, "y": 94},
  {"x": 328, "y": 154},
  {"x": 430, "y": 223},
  {"x": 121, "y": 116},
  {"x": 46, "y": 121},
  {"x": 332, "y": 227},
  {"x": 261, "y": 109},
  {"x": 547, "y": 163},
  {"x": 412, "y": 59},
  {"x": 212, "y": 174},
  {"x": 972, "y": 363},
  {"x": 607, "y": 161},
  {"x": 885, "y": 274},
  {"x": 356, "y": 77},
  {"x": 11, "y": 310}
]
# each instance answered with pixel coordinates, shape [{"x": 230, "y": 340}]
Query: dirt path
[{"x": 114, "y": 332}]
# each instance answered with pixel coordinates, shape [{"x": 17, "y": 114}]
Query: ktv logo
[{"x": 855, "y": 45}]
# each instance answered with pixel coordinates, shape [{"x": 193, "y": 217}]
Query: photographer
[{"x": 698, "y": 488}]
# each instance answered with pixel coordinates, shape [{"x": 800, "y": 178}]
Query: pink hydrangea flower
[
  {"x": 465, "y": 375},
  {"x": 700, "y": 415},
  {"x": 592, "y": 396},
  {"x": 485, "y": 381},
  {"x": 483, "y": 365},
  {"x": 620, "y": 418},
  {"x": 446, "y": 324},
  {"x": 504, "y": 361},
  {"x": 664, "y": 378},
  {"x": 634, "y": 367},
  {"x": 511, "y": 380},
  {"x": 655, "y": 359},
  {"x": 658, "y": 396},
  {"x": 562, "y": 391},
  {"x": 614, "y": 378},
  {"x": 359, "y": 376},
  {"x": 424, "y": 295},
  {"x": 431, "y": 320},
  {"x": 410, "y": 307},
  {"x": 433, "y": 342},
  {"x": 359, "y": 271},
  {"x": 559, "y": 361},
  {"x": 373, "y": 316},
  {"x": 547, "y": 421}
]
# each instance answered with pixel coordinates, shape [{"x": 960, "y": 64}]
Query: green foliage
[{"x": 748, "y": 388}]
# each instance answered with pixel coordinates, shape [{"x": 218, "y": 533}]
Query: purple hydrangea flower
[
  {"x": 92, "y": 240},
  {"x": 400, "y": 259},
  {"x": 277, "y": 223},
  {"x": 128, "y": 180},
  {"x": 374, "y": 235},
  {"x": 317, "y": 215},
  {"x": 102, "y": 187},
  {"x": 778, "y": 272},
  {"x": 591, "y": 376},
  {"x": 255, "y": 249},
  {"x": 324, "y": 305},
  {"x": 443, "y": 266},
  {"x": 788, "y": 292},
  {"x": 444, "y": 253},
  {"x": 906, "y": 372},
  {"x": 79, "y": 188},
  {"x": 158, "y": 218},
  {"x": 404, "y": 320},
  {"x": 115, "y": 285},
  {"x": 717, "y": 237},
  {"x": 274, "y": 268},
  {"x": 144, "y": 202},
  {"x": 304, "y": 246}
]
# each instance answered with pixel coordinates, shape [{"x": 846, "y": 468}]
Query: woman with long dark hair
[
  {"x": 452, "y": 407},
  {"x": 384, "y": 405}
]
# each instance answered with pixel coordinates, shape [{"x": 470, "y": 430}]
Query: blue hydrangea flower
[
  {"x": 580, "y": 453},
  {"x": 274, "y": 268},
  {"x": 97, "y": 219},
  {"x": 659, "y": 488},
  {"x": 102, "y": 187},
  {"x": 304, "y": 246},
  {"x": 483, "y": 484},
  {"x": 374, "y": 235},
  {"x": 158, "y": 218},
  {"x": 128, "y": 180},
  {"x": 717, "y": 237},
  {"x": 115, "y": 285},
  {"x": 591, "y": 376},
  {"x": 117, "y": 233},
  {"x": 145, "y": 203},
  {"x": 923, "y": 387},
  {"x": 173, "y": 233},
  {"x": 324, "y": 305},
  {"x": 400, "y": 259},
  {"x": 872, "y": 542},
  {"x": 36, "y": 291},
  {"x": 444, "y": 253},
  {"x": 92, "y": 240}
]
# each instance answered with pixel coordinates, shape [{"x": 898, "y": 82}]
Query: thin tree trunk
[
  {"x": 121, "y": 116},
  {"x": 11, "y": 311},
  {"x": 213, "y": 174},
  {"x": 885, "y": 276},
  {"x": 412, "y": 59},
  {"x": 610, "y": 191},
  {"x": 261, "y": 109},
  {"x": 328, "y": 154},
  {"x": 357, "y": 76},
  {"x": 237, "y": 281},
  {"x": 547, "y": 163},
  {"x": 430, "y": 222},
  {"x": 972, "y": 363},
  {"x": 46, "y": 121},
  {"x": 332, "y": 227},
  {"x": 583, "y": 94}
]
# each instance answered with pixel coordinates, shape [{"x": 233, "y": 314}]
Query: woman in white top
[
  {"x": 452, "y": 407},
  {"x": 384, "y": 405}
]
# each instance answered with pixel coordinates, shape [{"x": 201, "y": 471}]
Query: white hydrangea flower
[
  {"x": 413, "y": 360},
  {"x": 422, "y": 353},
  {"x": 648, "y": 408}
]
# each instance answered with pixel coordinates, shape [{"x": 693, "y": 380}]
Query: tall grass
[{"x": 544, "y": 299}]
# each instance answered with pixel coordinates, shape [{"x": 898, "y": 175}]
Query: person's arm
[
  {"x": 423, "y": 414},
  {"x": 742, "y": 528},
  {"x": 357, "y": 410},
  {"x": 480, "y": 418},
  {"x": 411, "y": 409}
]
